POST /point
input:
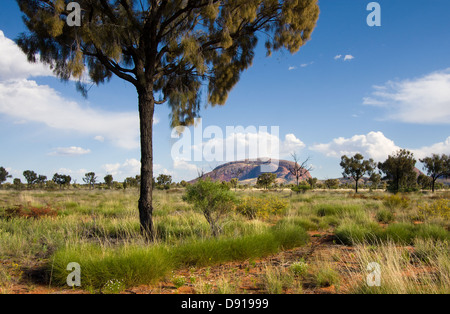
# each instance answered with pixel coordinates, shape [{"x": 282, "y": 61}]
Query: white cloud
[
  {"x": 377, "y": 146},
  {"x": 425, "y": 100},
  {"x": 26, "y": 100},
  {"x": 130, "y": 168},
  {"x": 438, "y": 148},
  {"x": 344, "y": 58},
  {"x": 249, "y": 145},
  {"x": 14, "y": 63},
  {"x": 292, "y": 68},
  {"x": 373, "y": 145},
  {"x": 348, "y": 57},
  {"x": 70, "y": 151}
]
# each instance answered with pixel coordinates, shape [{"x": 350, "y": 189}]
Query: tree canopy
[
  {"x": 356, "y": 167},
  {"x": 173, "y": 51},
  {"x": 437, "y": 166},
  {"x": 399, "y": 170}
]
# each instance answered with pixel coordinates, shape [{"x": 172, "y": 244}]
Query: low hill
[{"x": 247, "y": 171}]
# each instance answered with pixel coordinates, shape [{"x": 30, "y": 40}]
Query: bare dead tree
[{"x": 299, "y": 170}]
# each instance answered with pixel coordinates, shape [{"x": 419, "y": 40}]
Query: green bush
[
  {"x": 257, "y": 207},
  {"x": 384, "y": 216},
  {"x": 214, "y": 200},
  {"x": 396, "y": 202}
]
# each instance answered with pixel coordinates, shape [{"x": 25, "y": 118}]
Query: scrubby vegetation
[{"x": 44, "y": 231}]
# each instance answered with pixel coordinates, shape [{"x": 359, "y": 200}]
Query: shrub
[
  {"x": 256, "y": 207},
  {"x": 439, "y": 208},
  {"x": 21, "y": 211},
  {"x": 213, "y": 199},
  {"x": 300, "y": 268},
  {"x": 396, "y": 201},
  {"x": 327, "y": 277},
  {"x": 385, "y": 216},
  {"x": 302, "y": 188},
  {"x": 350, "y": 233}
]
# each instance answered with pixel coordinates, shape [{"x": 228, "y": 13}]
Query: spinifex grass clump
[
  {"x": 135, "y": 265},
  {"x": 351, "y": 233}
]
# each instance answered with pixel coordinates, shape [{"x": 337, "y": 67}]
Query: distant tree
[
  {"x": 299, "y": 170},
  {"x": 31, "y": 177},
  {"x": 265, "y": 180},
  {"x": 375, "y": 179},
  {"x": 41, "y": 180},
  {"x": 234, "y": 183},
  {"x": 17, "y": 184},
  {"x": 356, "y": 168},
  {"x": 4, "y": 175},
  {"x": 109, "y": 180},
  {"x": 130, "y": 182},
  {"x": 436, "y": 167},
  {"x": 61, "y": 180},
  {"x": 312, "y": 182},
  {"x": 214, "y": 199},
  {"x": 332, "y": 183},
  {"x": 184, "y": 183},
  {"x": 164, "y": 181},
  {"x": 425, "y": 182},
  {"x": 173, "y": 49},
  {"x": 399, "y": 170},
  {"x": 90, "y": 179}
]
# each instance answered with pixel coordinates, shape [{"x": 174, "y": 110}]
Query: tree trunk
[
  {"x": 146, "y": 111},
  {"x": 433, "y": 185}
]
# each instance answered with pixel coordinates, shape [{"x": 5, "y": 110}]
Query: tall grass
[
  {"x": 135, "y": 265},
  {"x": 402, "y": 272}
]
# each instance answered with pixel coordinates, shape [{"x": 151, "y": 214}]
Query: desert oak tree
[{"x": 170, "y": 50}]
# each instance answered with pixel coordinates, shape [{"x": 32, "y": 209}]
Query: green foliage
[
  {"x": 213, "y": 199},
  {"x": 90, "y": 179},
  {"x": 61, "y": 180},
  {"x": 163, "y": 182},
  {"x": 327, "y": 277},
  {"x": 399, "y": 170},
  {"x": 384, "y": 216},
  {"x": 396, "y": 201},
  {"x": 312, "y": 182},
  {"x": 109, "y": 180},
  {"x": 301, "y": 188},
  {"x": 4, "y": 175},
  {"x": 300, "y": 268},
  {"x": 332, "y": 183},
  {"x": 439, "y": 208},
  {"x": 356, "y": 167},
  {"x": 31, "y": 177},
  {"x": 265, "y": 180},
  {"x": 256, "y": 207},
  {"x": 336, "y": 209},
  {"x": 436, "y": 167}
]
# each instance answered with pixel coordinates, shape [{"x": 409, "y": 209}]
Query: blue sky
[{"x": 351, "y": 88}]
